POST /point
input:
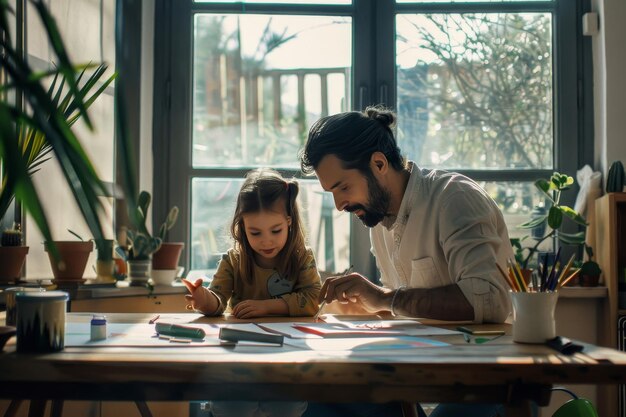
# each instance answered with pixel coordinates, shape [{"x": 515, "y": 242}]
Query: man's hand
[{"x": 355, "y": 288}]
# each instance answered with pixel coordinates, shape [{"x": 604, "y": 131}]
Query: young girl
[{"x": 269, "y": 271}]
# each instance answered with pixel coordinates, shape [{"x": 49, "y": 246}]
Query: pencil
[
  {"x": 317, "y": 315},
  {"x": 566, "y": 280},
  {"x": 565, "y": 270},
  {"x": 517, "y": 273},
  {"x": 323, "y": 303},
  {"x": 507, "y": 278}
]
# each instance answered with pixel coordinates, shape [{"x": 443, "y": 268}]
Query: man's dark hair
[{"x": 353, "y": 137}]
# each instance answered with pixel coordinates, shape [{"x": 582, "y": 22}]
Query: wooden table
[{"x": 498, "y": 371}]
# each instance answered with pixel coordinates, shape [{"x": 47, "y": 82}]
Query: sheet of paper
[
  {"x": 341, "y": 330},
  {"x": 135, "y": 334},
  {"x": 378, "y": 345},
  {"x": 356, "y": 328},
  {"x": 407, "y": 327},
  {"x": 288, "y": 330}
]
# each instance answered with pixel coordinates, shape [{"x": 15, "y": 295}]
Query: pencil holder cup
[
  {"x": 41, "y": 321},
  {"x": 533, "y": 316}
]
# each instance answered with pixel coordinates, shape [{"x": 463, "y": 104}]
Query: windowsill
[{"x": 583, "y": 292}]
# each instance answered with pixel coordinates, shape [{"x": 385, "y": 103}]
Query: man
[{"x": 436, "y": 236}]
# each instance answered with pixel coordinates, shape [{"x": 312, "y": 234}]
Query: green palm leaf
[{"x": 30, "y": 139}]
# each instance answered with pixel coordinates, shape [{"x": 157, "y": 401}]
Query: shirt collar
[{"x": 391, "y": 222}]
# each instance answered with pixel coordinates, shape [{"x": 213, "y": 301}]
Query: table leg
[
  {"x": 11, "y": 411},
  {"x": 37, "y": 408},
  {"x": 57, "y": 408},
  {"x": 143, "y": 409}
]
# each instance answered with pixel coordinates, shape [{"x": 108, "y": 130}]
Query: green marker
[{"x": 178, "y": 330}]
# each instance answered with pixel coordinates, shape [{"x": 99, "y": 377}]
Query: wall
[{"x": 609, "y": 61}]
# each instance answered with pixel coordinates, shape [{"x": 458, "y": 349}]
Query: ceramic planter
[{"x": 139, "y": 271}]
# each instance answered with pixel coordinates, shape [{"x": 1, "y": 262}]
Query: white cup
[
  {"x": 41, "y": 321},
  {"x": 533, "y": 316},
  {"x": 163, "y": 276}
]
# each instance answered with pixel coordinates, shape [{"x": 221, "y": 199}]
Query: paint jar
[
  {"x": 98, "y": 327},
  {"x": 41, "y": 321}
]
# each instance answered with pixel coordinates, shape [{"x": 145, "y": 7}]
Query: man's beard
[{"x": 378, "y": 200}]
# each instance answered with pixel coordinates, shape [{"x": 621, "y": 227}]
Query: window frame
[{"x": 373, "y": 82}]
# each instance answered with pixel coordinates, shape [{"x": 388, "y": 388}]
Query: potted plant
[
  {"x": 590, "y": 271},
  {"x": 168, "y": 255},
  {"x": 12, "y": 255},
  {"x": 141, "y": 244},
  {"x": 551, "y": 220},
  {"x": 105, "y": 264},
  {"x": 68, "y": 266}
]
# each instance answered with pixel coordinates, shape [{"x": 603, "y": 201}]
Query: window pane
[
  {"x": 82, "y": 26},
  {"x": 255, "y": 87},
  {"x": 213, "y": 204},
  {"x": 475, "y": 90},
  {"x": 278, "y": 1},
  {"x": 519, "y": 202},
  {"x": 462, "y": 1}
]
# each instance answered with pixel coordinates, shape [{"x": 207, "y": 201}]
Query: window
[
  {"x": 479, "y": 87},
  {"x": 82, "y": 26}
]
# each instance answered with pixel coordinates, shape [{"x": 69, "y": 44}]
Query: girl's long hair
[{"x": 262, "y": 190}]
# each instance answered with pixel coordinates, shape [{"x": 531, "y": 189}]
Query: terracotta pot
[
  {"x": 167, "y": 256},
  {"x": 588, "y": 280},
  {"x": 73, "y": 257},
  {"x": 11, "y": 262}
]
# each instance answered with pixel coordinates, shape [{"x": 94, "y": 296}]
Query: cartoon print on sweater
[{"x": 277, "y": 285}]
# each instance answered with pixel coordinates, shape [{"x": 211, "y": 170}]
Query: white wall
[{"x": 609, "y": 68}]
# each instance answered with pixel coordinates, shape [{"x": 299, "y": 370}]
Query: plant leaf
[
  {"x": 572, "y": 238},
  {"x": 555, "y": 217}
]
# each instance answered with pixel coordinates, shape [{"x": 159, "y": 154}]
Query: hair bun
[{"x": 382, "y": 115}]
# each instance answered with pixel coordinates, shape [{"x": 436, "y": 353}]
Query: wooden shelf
[
  {"x": 583, "y": 292},
  {"x": 611, "y": 255}
]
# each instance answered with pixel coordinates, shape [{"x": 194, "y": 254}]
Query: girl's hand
[
  {"x": 199, "y": 298},
  {"x": 253, "y": 308}
]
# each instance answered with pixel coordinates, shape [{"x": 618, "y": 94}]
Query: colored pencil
[
  {"x": 564, "y": 271},
  {"x": 517, "y": 276},
  {"x": 566, "y": 280},
  {"x": 507, "y": 278}
]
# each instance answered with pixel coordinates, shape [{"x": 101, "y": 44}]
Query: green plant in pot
[
  {"x": 165, "y": 260},
  {"x": 590, "y": 271},
  {"x": 553, "y": 219},
  {"x": 69, "y": 265},
  {"x": 12, "y": 254},
  {"x": 105, "y": 264},
  {"x": 141, "y": 244}
]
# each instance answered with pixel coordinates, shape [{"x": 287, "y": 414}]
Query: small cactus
[{"x": 12, "y": 237}]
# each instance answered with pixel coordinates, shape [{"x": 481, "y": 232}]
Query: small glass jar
[{"x": 98, "y": 327}]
